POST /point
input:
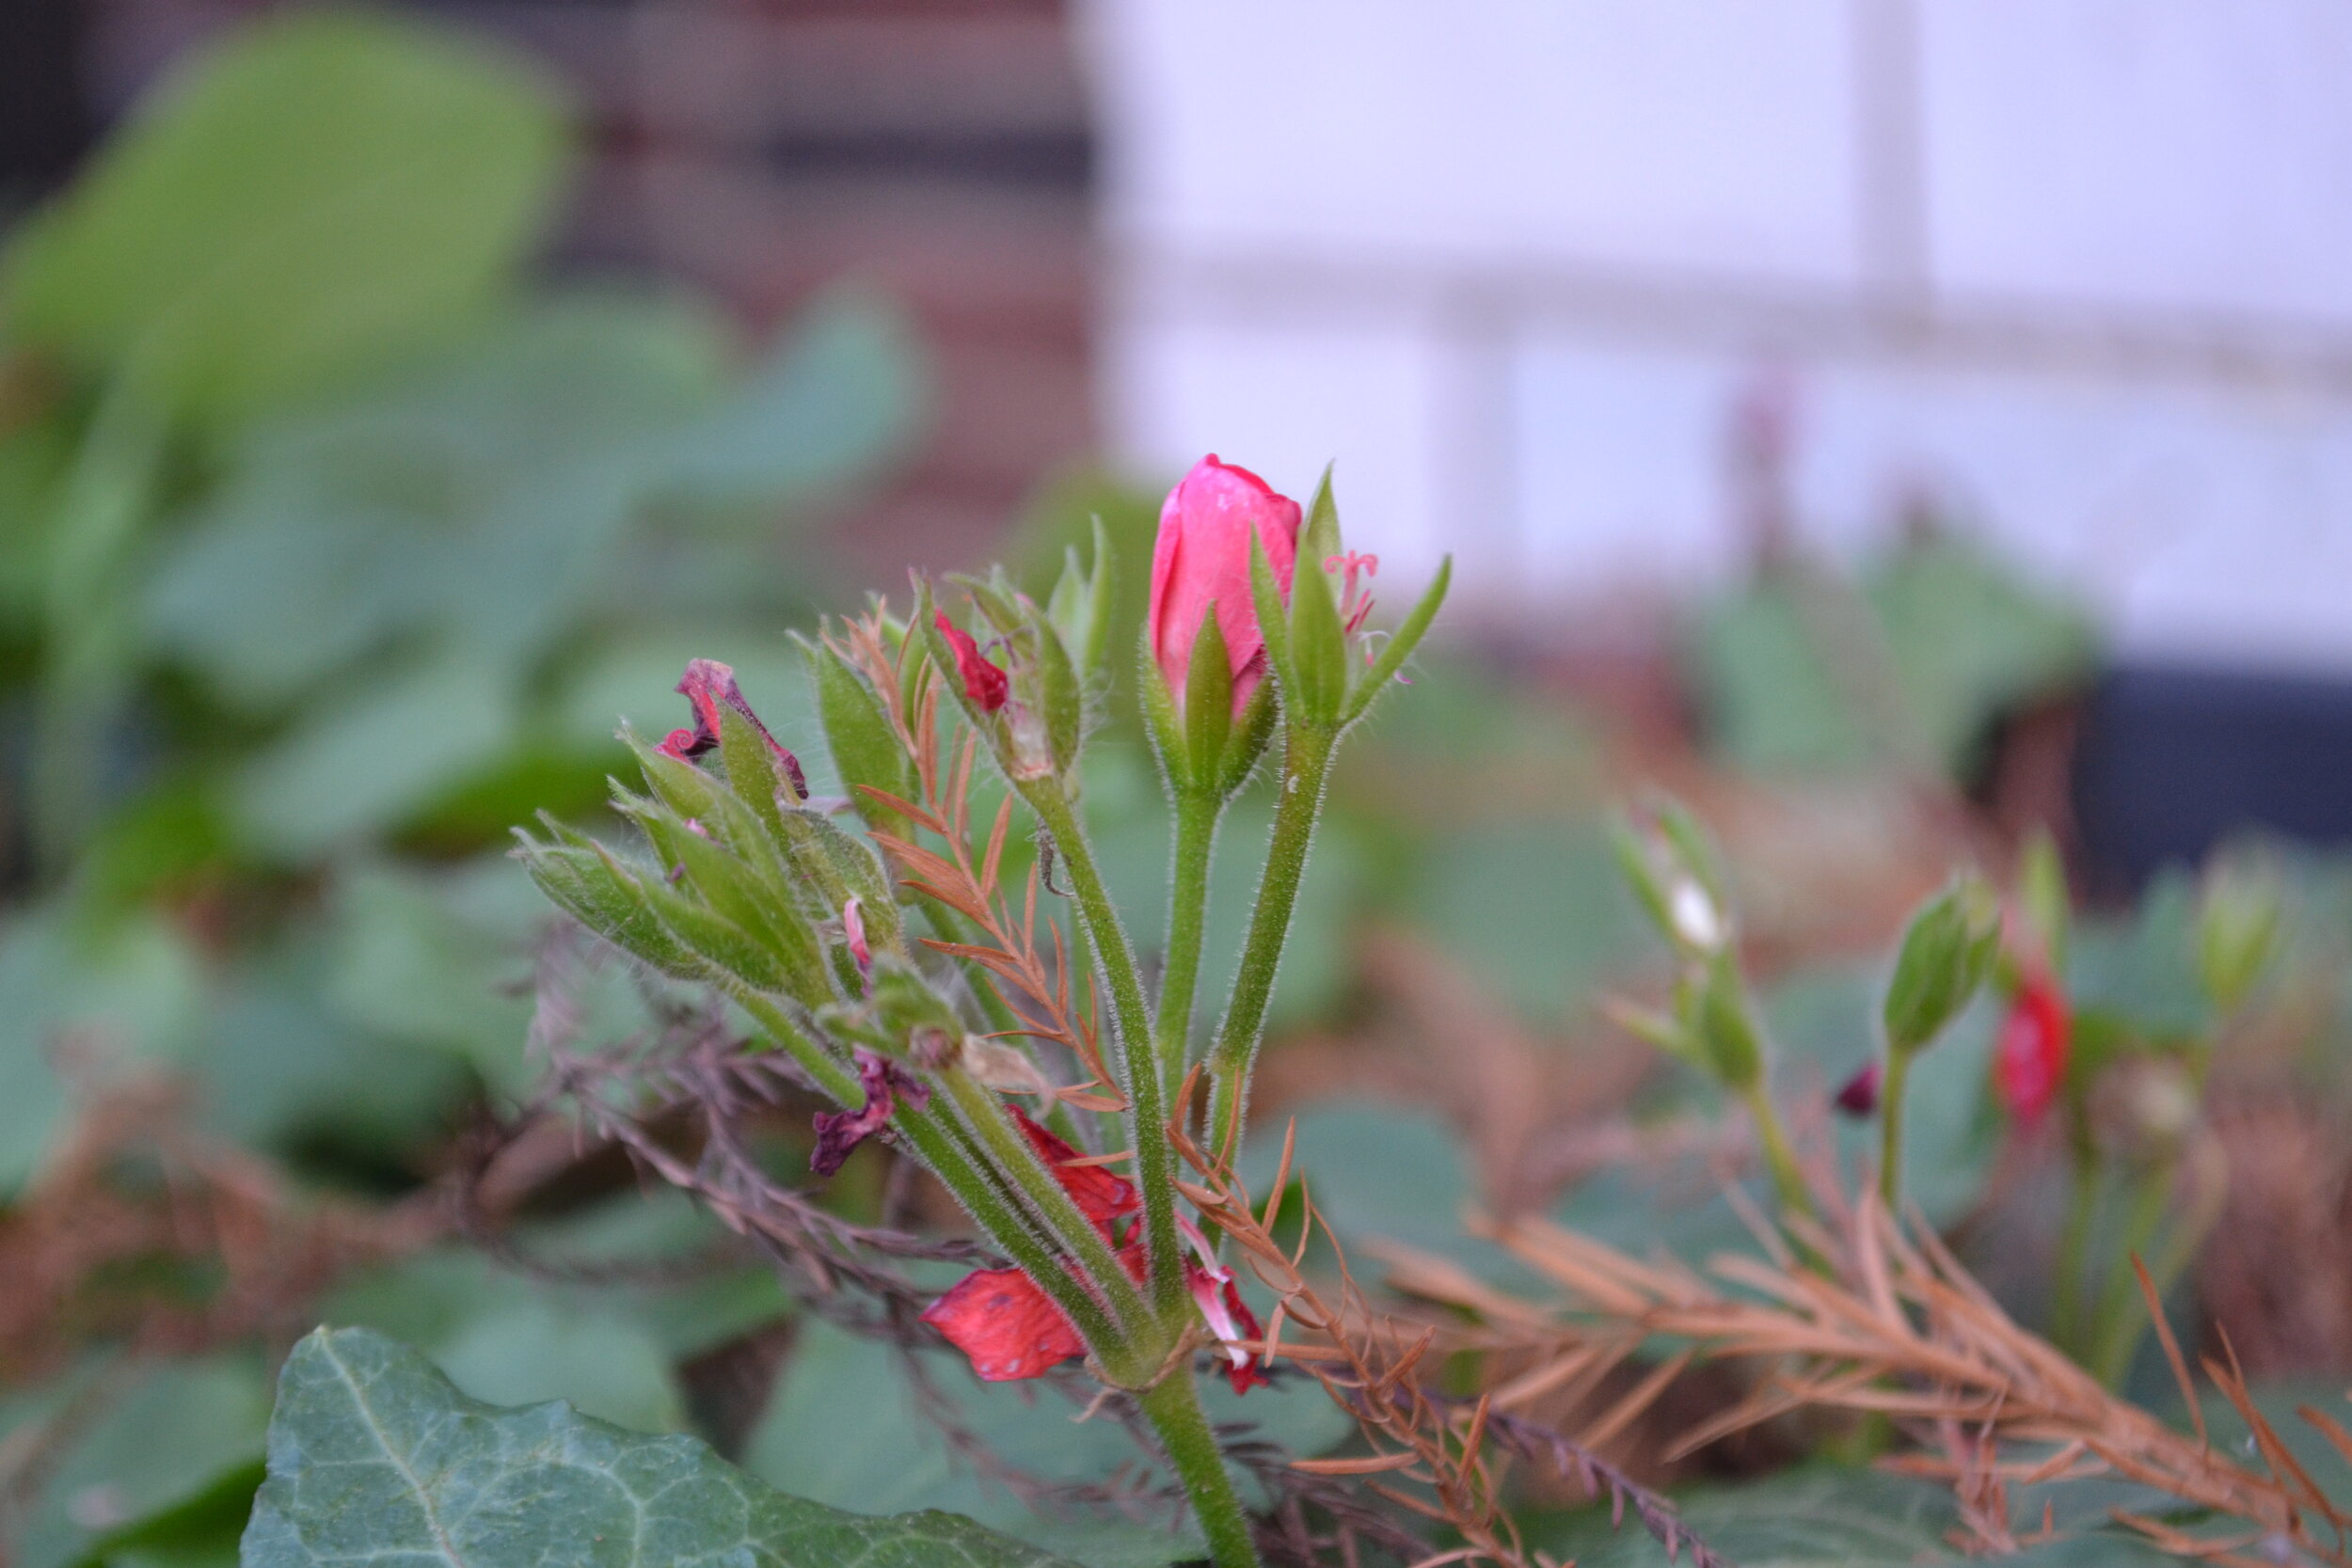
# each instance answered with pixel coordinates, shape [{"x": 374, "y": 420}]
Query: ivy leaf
[{"x": 373, "y": 1455}]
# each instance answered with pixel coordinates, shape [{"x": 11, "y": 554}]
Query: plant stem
[
  {"x": 2118, "y": 1316},
  {"x": 972, "y": 1177},
  {"x": 1173, "y": 1406},
  {"x": 1780, "y": 1157},
  {"x": 1306, "y": 769},
  {"x": 1072, "y": 1232},
  {"x": 1891, "y": 1130},
  {"x": 2082, "y": 1207},
  {"x": 1197, "y": 812},
  {"x": 1131, "y": 1040}
]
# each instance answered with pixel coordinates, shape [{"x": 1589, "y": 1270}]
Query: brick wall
[{"x": 939, "y": 149}]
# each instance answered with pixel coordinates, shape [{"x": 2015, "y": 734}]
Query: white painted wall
[{"x": 2083, "y": 264}]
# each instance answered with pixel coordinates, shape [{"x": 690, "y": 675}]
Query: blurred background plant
[{"x": 356, "y": 476}]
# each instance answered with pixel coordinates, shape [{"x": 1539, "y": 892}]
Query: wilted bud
[
  {"x": 2239, "y": 913},
  {"x": 1947, "y": 952}
]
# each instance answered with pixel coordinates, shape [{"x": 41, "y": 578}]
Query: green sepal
[
  {"x": 992, "y": 598},
  {"x": 1059, "y": 693},
  {"x": 721, "y": 942},
  {"x": 1319, "y": 540},
  {"x": 859, "y": 735},
  {"x": 1208, "y": 700},
  {"x": 1249, "y": 738},
  {"x": 592, "y": 886},
  {"x": 933, "y": 641},
  {"x": 683, "y": 787},
  {"x": 1159, "y": 717},
  {"x": 1318, "y": 651},
  {"x": 1265, "y": 594},
  {"x": 736, "y": 891},
  {"x": 1947, "y": 950},
  {"x": 756, "y": 775},
  {"x": 1081, "y": 606}
]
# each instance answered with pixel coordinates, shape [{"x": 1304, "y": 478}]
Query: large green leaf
[
  {"x": 373, "y": 1455},
  {"x": 305, "y": 200}
]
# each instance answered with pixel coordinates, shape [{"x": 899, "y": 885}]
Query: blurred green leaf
[
  {"x": 409, "y": 964},
  {"x": 277, "y": 1069},
  {"x": 200, "y": 1531},
  {"x": 178, "y": 1429},
  {"x": 1537, "y": 910},
  {"x": 372, "y": 1453},
  {"x": 375, "y": 757},
  {"x": 1800, "y": 669},
  {"x": 126, "y": 992},
  {"x": 1813, "y": 1517},
  {"x": 309, "y": 197}
]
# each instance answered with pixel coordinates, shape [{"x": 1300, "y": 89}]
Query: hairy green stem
[
  {"x": 1197, "y": 812},
  {"x": 967, "y": 1173},
  {"x": 1173, "y": 1407},
  {"x": 1306, "y": 769},
  {"x": 1131, "y": 1039},
  {"x": 1045, "y": 1196},
  {"x": 1891, "y": 1130}
]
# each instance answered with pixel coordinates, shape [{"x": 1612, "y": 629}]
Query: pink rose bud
[
  {"x": 1203, "y": 558},
  {"x": 983, "y": 682}
]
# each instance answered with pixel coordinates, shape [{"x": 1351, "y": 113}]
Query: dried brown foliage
[
  {"x": 135, "y": 1188},
  {"x": 1454, "y": 1453},
  {"x": 1893, "y": 1327}
]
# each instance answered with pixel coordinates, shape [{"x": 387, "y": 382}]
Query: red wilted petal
[
  {"x": 707, "y": 684},
  {"x": 839, "y": 1131},
  {"x": 1201, "y": 558},
  {"x": 1100, "y": 1195},
  {"x": 2031, "y": 1062},
  {"x": 1860, "y": 1097},
  {"x": 983, "y": 682},
  {"x": 1009, "y": 1328}
]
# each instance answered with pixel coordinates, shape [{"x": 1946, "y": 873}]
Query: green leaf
[
  {"x": 371, "y": 1452},
  {"x": 1813, "y": 1517},
  {"x": 308, "y": 198},
  {"x": 167, "y": 1437},
  {"x": 362, "y": 766}
]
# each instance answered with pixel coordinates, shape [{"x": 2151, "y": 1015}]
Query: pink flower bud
[
  {"x": 983, "y": 682},
  {"x": 1202, "y": 558}
]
